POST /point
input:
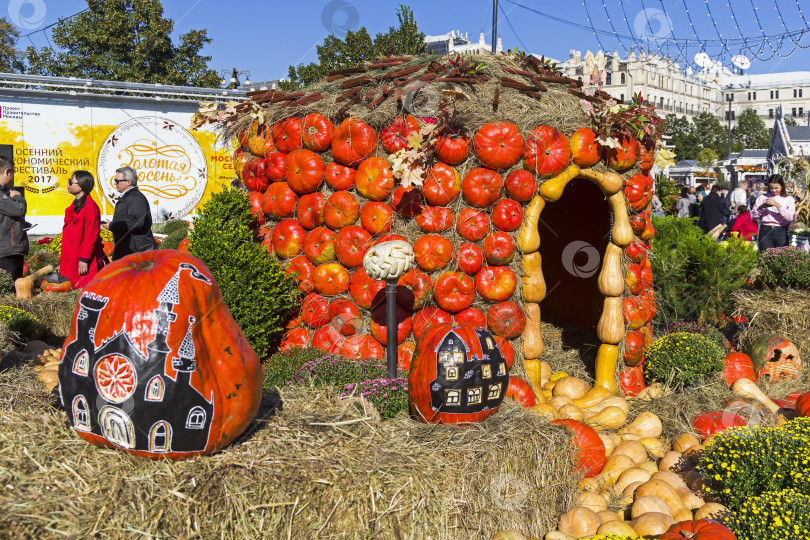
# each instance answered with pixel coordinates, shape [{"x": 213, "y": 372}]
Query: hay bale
[
  {"x": 318, "y": 467},
  {"x": 775, "y": 311},
  {"x": 53, "y": 310}
]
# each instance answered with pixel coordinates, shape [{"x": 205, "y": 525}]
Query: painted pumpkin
[
  {"x": 164, "y": 373},
  {"x": 591, "y": 449},
  {"x": 775, "y": 356},
  {"x": 56, "y": 283},
  {"x": 701, "y": 529},
  {"x": 458, "y": 375}
]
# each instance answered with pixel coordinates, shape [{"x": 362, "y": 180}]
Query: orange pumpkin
[
  {"x": 353, "y": 141},
  {"x": 331, "y": 279},
  {"x": 775, "y": 356},
  {"x": 498, "y": 145},
  {"x": 187, "y": 383}
]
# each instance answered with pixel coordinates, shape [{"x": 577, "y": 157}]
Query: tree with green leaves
[
  {"x": 706, "y": 159},
  {"x": 791, "y": 122},
  {"x": 678, "y": 131},
  {"x": 124, "y": 40},
  {"x": 10, "y": 57},
  {"x": 358, "y": 47},
  {"x": 750, "y": 131},
  {"x": 709, "y": 133}
]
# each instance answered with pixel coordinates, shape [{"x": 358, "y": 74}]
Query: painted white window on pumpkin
[
  {"x": 81, "y": 364},
  {"x": 155, "y": 389},
  {"x": 81, "y": 417},
  {"x": 494, "y": 391},
  {"x": 452, "y": 397},
  {"x": 451, "y": 373},
  {"x": 196, "y": 418},
  {"x": 160, "y": 437},
  {"x": 486, "y": 371},
  {"x": 474, "y": 395}
]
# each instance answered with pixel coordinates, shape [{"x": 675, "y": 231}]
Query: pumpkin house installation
[{"x": 516, "y": 186}]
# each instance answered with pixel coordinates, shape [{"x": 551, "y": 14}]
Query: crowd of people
[
  {"x": 762, "y": 212},
  {"x": 82, "y": 252}
]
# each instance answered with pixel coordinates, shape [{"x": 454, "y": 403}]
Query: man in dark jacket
[
  {"x": 714, "y": 209},
  {"x": 131, "y": 224},
  {"x": 13, "y": 238}
]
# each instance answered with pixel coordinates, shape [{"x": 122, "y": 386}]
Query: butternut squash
[
  {"x": 608, "y": 440},
  {"x": 692, "y": 501},
  {"x": 748, "y": 389},
  {"x": 652, "y": 524},
  {"x": 632, "y": 449},
  {"x": 609, "y": 182},
  {"x": 712, "y": 510},
  {"x": 614, "y": 467},
  {"x": 594, "y": 396},
  {"x": 571, "y": 412},
  {"x": 559, "y": 401},
  {"x": 611, "y": 328},
  {"x": 546, "y": 411},
  {"x": 662, "y": 490},
  {"x": 614, "y": 401},
  {"x": 607, "y": 516},
  {"x": 24, "y": 287},
  {"x": 551, "y": 190},
  {"x": 579, "y": 522},
  {"x": 557, "y": 535},
  {"x": 592, "y": 500},
  {"x": 649, "y": 466},
  {"x": 606, "y": 359},
  {"x": 675, "y": 462},
  {"x": 629, "y": 477},
  {"x": 571, "y": 387},
  {"x": 622, "y": 232},
  {"x": 607, "y": 418},
  {"x": 646, "y": 424},
  {"x": 528, "y": 238},
  {"x": 616, "y": 528},
  {"x": 682, "y": 441},
  {"x": 628, "y": 494},
  {"x": 591, "y": 484},
  {"x": 611, "y": 280},
  {"x": 655, "y": 446},
  {"x": 532, "y": 334},
  {"x": 655, "y": 390},
  {"x": 557, "y": 375},
  {"x": 534, "y": 284},
  {"x": 534, "y": 376},
  {"x": 670, "y": 478},
  {"x": 649, "y": 503}
]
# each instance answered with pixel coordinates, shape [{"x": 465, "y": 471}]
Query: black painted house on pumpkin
[{"x": 117, "y": 392}]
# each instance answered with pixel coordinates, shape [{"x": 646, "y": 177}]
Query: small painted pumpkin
[
  {"x": 458, "y": 375},
  {"x": 775, "y": 356},
  {"x": 56, "y": 283},
  {"x": 163, "y": 373}
]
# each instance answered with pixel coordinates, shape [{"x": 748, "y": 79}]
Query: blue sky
[{"x": 265, "y": 37}]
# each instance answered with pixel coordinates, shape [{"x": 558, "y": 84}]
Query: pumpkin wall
[{"x": 326, "y": 167}]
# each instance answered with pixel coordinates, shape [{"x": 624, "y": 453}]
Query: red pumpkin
[
  {"x": 442, "y": 185},
  {"x": 591, "y": 449},
  {"x": 634, "y": 344},
  {"x": 646, "y": 159},
  {"x": 454, "y": 291},
  {"x": 316, "y": 132},
  {"x": 327, "y": 339},
  {"x": 379, "y": 327},
  {"x": 803, "y": 405},
  {"x": 432, "y": 252},
  {"x": 495, "y": 283},
  {"x": 331, "y": 279},
  {"x": 319, "y": 245},
  {"x": 499, "y": 248},
  {"x": 737, "y": 365},
  {"x": 303, "y": 272},
  {"x": 363, "y": 288},
  {"x": 472, "y": 224},
  {"x": 476, "y": 317},
  {"x": 344, "y": 316},
  {"x": 638, "y": 278},
  {"x": 453, "y": 145},
  {"x": 287, "y": 134},
  {"x": 288, "y": 238},
  {"x": 520, "y": 391},
  {"x": 702, "y": 529},
  {"x": 339, "y": 177},
  {"x": 520, "y": 185},
  {"x": 623, "y": 157},
  {"x": 315, "y": 310},
  {"x": 639, "y": 224},
  {"x": 279, "y": 201},
  {"x": 498, "y": 145},
  {"x": 405, "y": 355},
  {"x": 435, "y": 219},
  {"x": 256, "y": 200},
  {"x": 274, "y": 165},
  {"x": 340, "y": 210},
  {"x": 376, "y": 217},
  {"x": 394, "y": 136},
  {"x": 481, "y": 187},
  {"x": 195, "y": 354},
  {"x": 507, "y": 350},
  {"x": 304, "y": 170},
  {"x": 631, "y": 380},
  {"x": 507, "y": 215},
  {"x": 775, "y": 356},
  {"x": 585, "y": 151},
  {"x": 546, "y": 151},
  {"x": 712, "y": 423},
  {"x": 240, "y": 161},
  {"x": 458, "y": 375},
  {"x": 637, "y": 311},
  {"x": 351, "y": 244},
  {"x": 637, "y": 250},
  {"x": 360, "y": 346},
  {"x": 389, "y": 237},
  {"x": 638, "y": 191},
  {"x": 353, "y": 141},
  {"x": 414, "y": 289},
  {"x": 506, "y": 320},
  {"x": 469, "y": 258},
  {"x": 185, "y": 246},
  {"x": 374, "y": 179},
  {"x": 256, "y": 180},
  {"x": 310, "y": 210},
  {"x": 295, "y": 339},
  {"x": 407, "y": 201},
  {"x": 429, "y": 317}
]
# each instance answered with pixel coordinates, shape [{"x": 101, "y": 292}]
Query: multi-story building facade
[{"x": 456, "y": 42}]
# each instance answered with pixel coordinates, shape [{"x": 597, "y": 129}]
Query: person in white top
[{"x": 739, "y": 196}]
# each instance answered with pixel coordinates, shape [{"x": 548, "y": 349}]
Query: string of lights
[
  {"x": 607, "y": 15},
  {"x": 506, "y": 16},
  {"x": 587, "y": 12}
]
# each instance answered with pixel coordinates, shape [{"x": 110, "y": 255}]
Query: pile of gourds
[{"x": 46, "y": 367}]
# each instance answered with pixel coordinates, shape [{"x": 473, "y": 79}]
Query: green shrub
[
  {"x": 168, "y": 227},
  {"x": 695, "y": 276},
  {"x": 255, "y": 286},
  {"x": 331, "y": 369},
  {"x": 6, "y": 282},
  {"x": 784, "y": 267},
  {"x": 172, "y": 241},
  {"x": 694, "y": 327},
  {"x": 746, "y": 462},
  {"x": 389, "y": 396},
  {"x": 775, "y": 515},
  {"x": 681, "y": 359},
  {"x": 280, "y": 367},
  {"x": 22, "y": 323}
]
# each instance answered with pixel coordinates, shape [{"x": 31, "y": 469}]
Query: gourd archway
[{"x": 458, "y": 156}]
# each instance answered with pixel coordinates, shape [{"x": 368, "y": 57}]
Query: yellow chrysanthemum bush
[
  {"x": 682, "y": 358},
  {"x": 56, "y": 244},
  {"x": 747, "y": 462},
  {"x": 774, "y": 515},
  {"x": 25, "y": 325}
]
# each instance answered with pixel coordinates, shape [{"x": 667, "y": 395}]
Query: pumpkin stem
[{"x": 146, "y": 265}]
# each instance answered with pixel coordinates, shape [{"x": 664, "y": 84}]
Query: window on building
[
  {"x": 607, "y": 79},
  {"x": 800, "y": 92},
  {"x": 732, "y": 113},
  {"x": 622, "y": 82},
  {"x": 801, "y": 111},
  {"x": 795, "y": 93},
  {"x": 749, "y": 96},
  {"x": 621, "y": 97},
  {"x": 771, "y": 94},
  {"x": 794, "y": 112},
  {"x": 777, "y": 94},
  {"x": 755, "y": 96},
  {"x": 770, "y": 113}
]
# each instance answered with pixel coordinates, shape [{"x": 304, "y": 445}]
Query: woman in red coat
[{"x": 82, "y": 252}]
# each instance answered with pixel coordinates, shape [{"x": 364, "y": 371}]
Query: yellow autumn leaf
[{"x": 664, "y": 158}]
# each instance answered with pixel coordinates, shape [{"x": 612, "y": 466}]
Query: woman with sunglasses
[
  {"x": 82, "y": 251},
  {"x": 775, "y": 210}
]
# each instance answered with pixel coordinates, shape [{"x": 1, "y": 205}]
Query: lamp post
[
  {"x": 235, "y": 74},
  {"x": 729, "y": 98}
]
